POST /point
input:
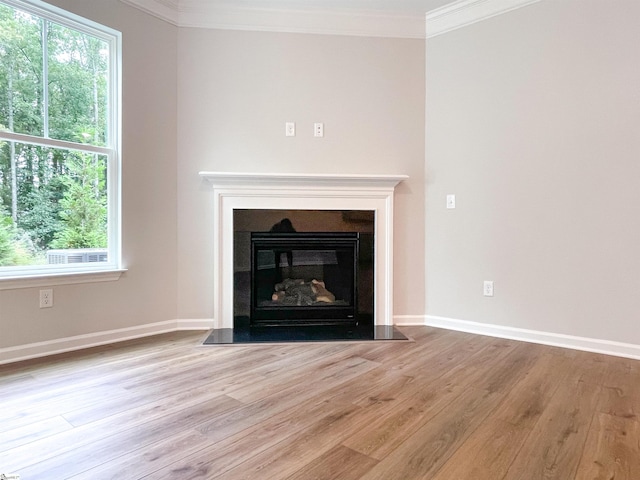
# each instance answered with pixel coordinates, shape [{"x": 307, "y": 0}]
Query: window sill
[{"x": 49, "y": 280}]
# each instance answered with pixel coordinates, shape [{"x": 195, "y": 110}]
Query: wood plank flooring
[{"x": 446, "y": 406}]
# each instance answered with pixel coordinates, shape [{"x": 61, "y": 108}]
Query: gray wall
[
  {"x": 237, "y": 89},
  {"x": 532, "y": 121},
  {"x": 147, "y": 292}
]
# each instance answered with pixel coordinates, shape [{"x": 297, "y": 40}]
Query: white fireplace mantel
[
  {"x": 317, "y": 180},
  {"x": 287, "y": 191}
]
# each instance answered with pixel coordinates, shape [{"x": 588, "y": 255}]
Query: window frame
[{"x": 40, "y": 275}]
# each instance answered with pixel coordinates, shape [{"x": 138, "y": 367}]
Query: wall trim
[
  {"x": 594, "y": 345},
  {"x": 355, "y": 22},
  {"x": 315, "y": 21},
  {"x": 466, "y": 12},
  {"x": 409, "y": 320},
  {"x": 68, "y": 278},
  {"x": 167, "y": 10},
  {"x": 79, "y": 342},
  {"x": 226, "y": 16},
  {"x": 194, "y": 323}
]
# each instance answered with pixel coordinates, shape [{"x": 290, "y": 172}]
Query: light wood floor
[{"x": 448, "y": 406}]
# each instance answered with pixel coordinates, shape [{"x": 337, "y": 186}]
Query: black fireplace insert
[{"x": 304, "y": 278}]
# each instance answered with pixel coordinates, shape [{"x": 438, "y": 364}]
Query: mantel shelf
[{"x": 304, "y": 179}]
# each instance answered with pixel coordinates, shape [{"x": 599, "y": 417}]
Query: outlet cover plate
[
  {"x": 46, "y": 298},
  {"x": 451, "y": 201},
  {"x": 290, "y": 129}
]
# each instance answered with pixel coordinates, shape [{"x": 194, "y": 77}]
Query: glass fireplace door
[{"x": 304, "y": 278}]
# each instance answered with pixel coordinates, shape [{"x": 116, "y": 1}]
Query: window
[{"x": 59, "y": 142}]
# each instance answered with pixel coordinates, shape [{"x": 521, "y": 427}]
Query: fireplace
[
  {"x": 304, "y": 278},
  {"x": 326, "y": 192}
]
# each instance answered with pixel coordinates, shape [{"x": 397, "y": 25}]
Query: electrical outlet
[
  {"x": 318, "y": 129},
  {"x": 451, "y": 201},
  {"x": 46, "y": 298},
  {"x": 488, "y": 288}
]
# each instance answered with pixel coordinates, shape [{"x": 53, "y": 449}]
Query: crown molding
[
  {"x": 167, "y": 10},
  {"x": 466, "y": 12},
  {"x": 225, "y": 16},
  {"x": 207, "y": 14},
  {"x": 198, "y": 13}
]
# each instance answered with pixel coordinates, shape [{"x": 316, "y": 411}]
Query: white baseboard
[
  {"x": 409, "y": 320},
  {"x": 78, "y": 342},
  {"x": 595, "y": 345},
  {"x": 194, "y": 324}
]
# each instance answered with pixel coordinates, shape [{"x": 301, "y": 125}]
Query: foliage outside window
[{"x": 59, "y": 154}]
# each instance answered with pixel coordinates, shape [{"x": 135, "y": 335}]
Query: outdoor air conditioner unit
[{"x": 77, "y": 255}]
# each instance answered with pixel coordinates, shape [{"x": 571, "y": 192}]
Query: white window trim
[
  {"x": 43, "y": 275},
  {"x": 69, "y": 278}
]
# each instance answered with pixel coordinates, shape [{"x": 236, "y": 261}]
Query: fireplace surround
[{"x": 233, "y": 191}]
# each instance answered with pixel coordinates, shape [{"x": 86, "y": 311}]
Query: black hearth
[{"x": 303, "y": 278}]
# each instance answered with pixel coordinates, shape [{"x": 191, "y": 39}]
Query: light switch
[{"x": 290, "y": 129}]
